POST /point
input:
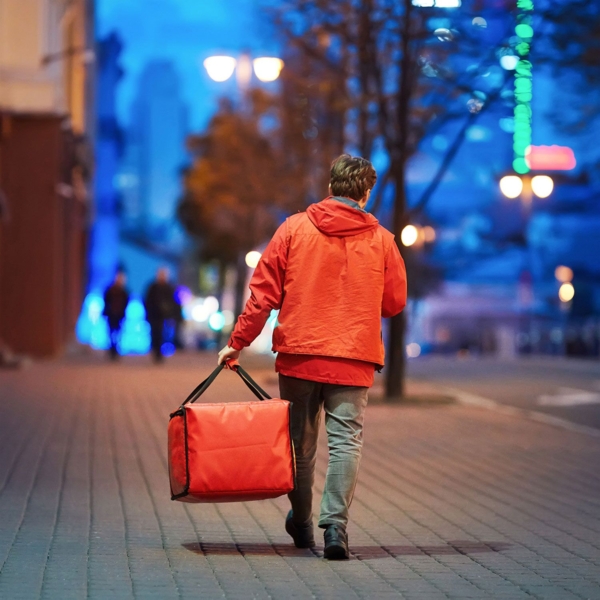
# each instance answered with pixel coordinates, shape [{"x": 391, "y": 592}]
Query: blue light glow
[
  {"x": 168, "y": 349},
  {"x": 216, "y": 321},
  {"x": 92, "y": 328}
]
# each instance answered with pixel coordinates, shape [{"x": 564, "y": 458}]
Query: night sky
[{"x": 185, "y": 32}]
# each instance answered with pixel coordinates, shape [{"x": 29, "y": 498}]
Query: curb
[{"x": 475, "y": 400}]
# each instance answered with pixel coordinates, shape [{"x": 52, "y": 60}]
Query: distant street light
[
  {"x": 542, "y": 186},
  {"x": 252, "y": 258},
  {"x": 566, "y": 292},
  {"x": 415, "y": 235},
  {"x": 409, "y": 235},
  {"x": 511, "y": 186},
  {"x": 563, "y": 274},
  {"x": 267, "y": 68},
  {"x": 429, "y": 233},
  {"x": 221, "y": 68}
]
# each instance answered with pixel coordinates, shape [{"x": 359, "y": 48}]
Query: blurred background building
[
  {"x": 46, "y": 124},
  {"x": 127, "y": 83}
]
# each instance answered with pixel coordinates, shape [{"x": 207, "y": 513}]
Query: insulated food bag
[{"x": 230, "y": 451}]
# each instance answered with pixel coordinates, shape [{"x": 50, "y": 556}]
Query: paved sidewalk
[{"x": 452, "y": 502}]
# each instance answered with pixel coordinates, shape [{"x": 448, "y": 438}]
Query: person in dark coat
[
  {"x": 161, "y": 306},
  {"x": 116, "y": 299}
]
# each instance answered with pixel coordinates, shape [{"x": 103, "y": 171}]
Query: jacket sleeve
[
  {"x": 266, "y": 291},
  {"x": 394, "y": 290}
]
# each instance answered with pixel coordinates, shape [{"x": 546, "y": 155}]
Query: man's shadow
[{"x": 457, "y": 547}]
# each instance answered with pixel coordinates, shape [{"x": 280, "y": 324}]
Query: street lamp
[
  {"x": 409, "y": 235},
  {"x": 220, "y": 68},
  {"x": 566, "y": 292},
  {"x": 563, "y": 274},
  {"x": 252, "y": 258},
  {"x": 542, "y": 185},
  {"x": 513, "y": 186},
  {"x": 413, "y": 235},
  {"x": 267, "y": 68}
]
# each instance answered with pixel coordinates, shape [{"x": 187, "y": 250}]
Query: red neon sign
[{"x": 550, "y": 158}]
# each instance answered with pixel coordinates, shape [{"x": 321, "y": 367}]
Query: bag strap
[
  {"x": 244, "y": 376},
  {"x": 252, "y": 385},
  {"x": 202, "y": 387}
]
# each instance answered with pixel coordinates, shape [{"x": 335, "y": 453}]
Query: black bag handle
[
  {"x": 254, "y": 387},
  {"x": 245, "y": 377}
]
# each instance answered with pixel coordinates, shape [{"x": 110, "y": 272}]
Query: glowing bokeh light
[
  {"x": 563, "y": 274},
  {"x": 199, "y": 313},
  {"x": 413, "y": 350},
  {"x": 523, "y": 86},
  {"x": 511, "y": 186},
  {"x": 509, "y": 62},
  {"x": 551, "y": 158},
  {"x": 168, "y": 349},
  {"x": 267, "y": 68},
  {"x": 542, "y": 186},
  {"x": 429, "y": 234},
  {"x": 216, "y": 321},
  {"x": 220, "y": 68},
  {"x": 566, "y": 292},
  {"x": 92, "y": 328},
  {"x": 409, "y": 235},
  {"x": 211, "y": 304},
  {"x": 443, "y": 34},
  {"x": 183, "y": 294},
  {"x": 252, "y": 258}
]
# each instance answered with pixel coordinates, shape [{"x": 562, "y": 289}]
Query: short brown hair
[{"x": 352, "y": 176}]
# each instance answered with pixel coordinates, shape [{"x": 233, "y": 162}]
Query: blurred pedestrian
[
  {"x": 332, "y": 272},
  {"x": 116, "y": 299},
  {"x": 162, "y": 307}
]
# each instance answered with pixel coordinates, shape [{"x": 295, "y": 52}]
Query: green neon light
[
  {"x": 524, "y": 31},
  {"x": 522, "y": 137}
]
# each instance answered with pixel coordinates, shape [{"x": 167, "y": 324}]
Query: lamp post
[
  {"x": 526, "y": 187},
  {"x": 220, "y": 68}
]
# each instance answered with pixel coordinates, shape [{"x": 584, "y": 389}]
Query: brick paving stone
[{"x": 452, "y": 501}]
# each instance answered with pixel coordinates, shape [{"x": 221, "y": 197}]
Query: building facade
[{"x": 46, "y": 103}]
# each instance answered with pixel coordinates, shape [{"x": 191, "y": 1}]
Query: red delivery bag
[{"x": 231, "y": 451}]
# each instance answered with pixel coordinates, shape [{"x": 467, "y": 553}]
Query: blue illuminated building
[{"x": 104, "y": 245}]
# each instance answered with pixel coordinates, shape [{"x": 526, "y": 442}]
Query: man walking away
[
  {"x": 332, "y": 272},
  {"x": 116, "y": 299},
  {"x": 161, "y": 306}
]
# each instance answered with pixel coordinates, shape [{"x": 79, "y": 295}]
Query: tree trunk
[
  {"x": 396, "y": 353},
  {"x": 222, "y": 266},
  {"x": 396, "y": 360},
  {"x": 240, "y": 285},
  {"x": 396, "y": 367},
  {"x": 221, "y": 278}
]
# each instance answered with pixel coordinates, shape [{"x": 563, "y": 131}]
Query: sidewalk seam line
[{"x": 469, "y": 399}]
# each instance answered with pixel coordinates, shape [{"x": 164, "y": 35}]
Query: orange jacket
[{"x": 332, "y": 272}]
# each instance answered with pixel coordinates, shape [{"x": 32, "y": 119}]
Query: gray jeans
[{"x": 344, "y": 408}]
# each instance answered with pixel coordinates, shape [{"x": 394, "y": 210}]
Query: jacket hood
[{"x": 336, "y": 219}]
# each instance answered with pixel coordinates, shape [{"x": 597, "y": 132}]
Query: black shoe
[
  {"x": 302, "y": 535},
  {"x": 336, "y": 543}
]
